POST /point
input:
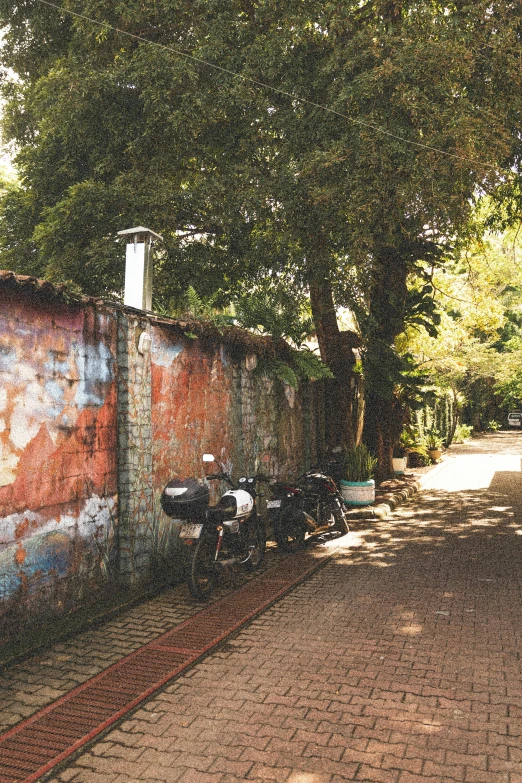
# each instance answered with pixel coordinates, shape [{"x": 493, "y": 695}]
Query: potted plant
[
  {"x": 414, "y": 448},
  {"x": 358, "y": 486},
  {"x": 433, "y": 442},
  {"x": 399, "y": 459}
]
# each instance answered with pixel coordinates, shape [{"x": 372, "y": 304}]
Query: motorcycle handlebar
[
  {"x": 226, "y": 477},
  {"x": 221, "y": 476}
]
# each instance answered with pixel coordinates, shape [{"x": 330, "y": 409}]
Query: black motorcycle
[
  {"x": 231, "y": 533},
  {"x": 311, "y": 506}
]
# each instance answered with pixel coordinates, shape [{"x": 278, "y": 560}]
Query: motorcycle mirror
[{"x": 208, "y": 458}]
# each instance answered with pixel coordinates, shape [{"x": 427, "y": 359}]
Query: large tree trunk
[
  {"x": 455, "y": 414},
  {"x": 383, "y": 424},
  {"x": 343, "y": 408},
  {"x": 384, "y": 416}
]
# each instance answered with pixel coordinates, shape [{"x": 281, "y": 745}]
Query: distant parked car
[{"x": 514, "y": 419}]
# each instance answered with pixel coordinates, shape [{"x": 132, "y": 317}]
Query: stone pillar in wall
[
  {"x": 238, "y": 442},
  {"x": 136, "y": 519},
  {"x": 248, "y": 421}
]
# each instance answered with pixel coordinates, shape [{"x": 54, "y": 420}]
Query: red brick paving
[
  {"x": 36, "y": 745},
  {"x": 399, "y": 661}
]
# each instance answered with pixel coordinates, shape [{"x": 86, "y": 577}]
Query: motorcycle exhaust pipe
[{"x": 225, "y": 563}]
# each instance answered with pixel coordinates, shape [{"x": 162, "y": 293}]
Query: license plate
[
  {"x": 273, "y": 504},
  {"x": 190, "y": 531}
]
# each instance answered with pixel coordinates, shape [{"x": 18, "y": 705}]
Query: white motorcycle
[{"x": 228, "y": 534}]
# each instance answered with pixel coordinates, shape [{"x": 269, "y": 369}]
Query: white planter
[
  {"x": 358, "y": 493},
  {"x": 399, "y": 465}
]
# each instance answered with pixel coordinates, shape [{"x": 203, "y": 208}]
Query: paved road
[{"x": 399, "y": 661}]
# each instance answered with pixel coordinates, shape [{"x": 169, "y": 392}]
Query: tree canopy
[
  {"x": 340, "y": 143},
  {"x": 479, "y": 340}
]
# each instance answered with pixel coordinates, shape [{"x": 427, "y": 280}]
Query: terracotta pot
[{"x": 435, "y": 454}]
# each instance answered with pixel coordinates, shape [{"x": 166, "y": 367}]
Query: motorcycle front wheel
[
  {"x": 257, "y": 546},
  {"x": 289, "y": 533},
  {"x": 340, "y": 520},
  {"x": 202, "y": 569}
]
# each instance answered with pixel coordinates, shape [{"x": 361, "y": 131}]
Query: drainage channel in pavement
[{"x": 36, "y": 745}]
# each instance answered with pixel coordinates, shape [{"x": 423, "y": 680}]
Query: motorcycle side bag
[{"x": 185, "y": 498}]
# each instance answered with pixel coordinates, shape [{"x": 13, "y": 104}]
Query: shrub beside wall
[{"x": 437, "y": 414}]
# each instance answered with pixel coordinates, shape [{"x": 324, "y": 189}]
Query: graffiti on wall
[{"x": 57, "y": 446}]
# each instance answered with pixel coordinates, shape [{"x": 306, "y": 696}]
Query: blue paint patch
[
  {"x": 9, "y": 580},
  {"x": 95, "y": 364},
  {"x": 164, "y": 355},
  {"x": 86, "y": 396},
  {"x": 54, "y": 389},
  {"x": 7, "y": 359},
  {"x": 223, "y": 355},
  {"x": 48, "y": 555},
  {"x": 56, "y": 367},
  {"x": 50, "y": 552}
]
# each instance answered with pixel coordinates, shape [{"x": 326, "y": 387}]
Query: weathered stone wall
[
  {"x": 94, "y": 422},
  {"x": 57, "y": 456},
  {"x": 204, "y": 400}
]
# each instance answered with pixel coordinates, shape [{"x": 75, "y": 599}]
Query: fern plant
[
  {"x": 304, "y": 364},
  {"x": 275, "y": 309},
  {"x": 278, "y": 369},
  {"x": 309, "y": 365},
  {"x": 198, "y": 307},
  {"x": 259, "y": 309}
]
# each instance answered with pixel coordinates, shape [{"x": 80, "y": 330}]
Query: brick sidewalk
[
  {"x": 52, "y": 735},
  {"x": 399, "y": 661},
  {"x": 40, "y": 679}
]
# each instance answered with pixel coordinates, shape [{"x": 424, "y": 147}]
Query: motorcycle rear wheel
[
  {"x": 290, "y": 534},
  {"x": 258, "y": 544},
  {"x": 202, "y": 569}
]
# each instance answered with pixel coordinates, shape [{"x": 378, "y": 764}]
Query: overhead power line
[{"x": 266, "y": 86}]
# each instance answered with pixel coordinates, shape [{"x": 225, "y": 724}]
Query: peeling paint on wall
[
  {"x": 91, "y": 430},
  {"x": 163, "y": 354},
  {"x": 57, "y": 450},
  {"x": 204, "y": 400},
  {"x": 31, "y": 543},
  {"x": 192, "y": 400}
]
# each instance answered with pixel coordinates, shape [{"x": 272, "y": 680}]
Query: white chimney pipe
[{"x": 138, "y": 267}]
